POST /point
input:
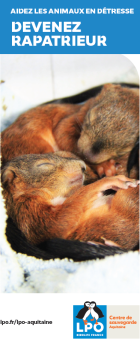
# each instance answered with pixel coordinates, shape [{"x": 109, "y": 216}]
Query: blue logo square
[{"x": 89, "y": 324}]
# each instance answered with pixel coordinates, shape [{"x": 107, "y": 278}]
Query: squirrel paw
[
  {"x": 116, "y": 182},
  {"x": 106, "y": 168}
]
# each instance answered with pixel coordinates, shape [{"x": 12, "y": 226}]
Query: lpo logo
[{"x": 89, "y": 321}]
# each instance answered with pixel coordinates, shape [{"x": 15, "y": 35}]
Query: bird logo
[{"x": 90, "y": 308}]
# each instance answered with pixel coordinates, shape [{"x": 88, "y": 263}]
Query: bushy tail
[{"x": 57, "y": 248}]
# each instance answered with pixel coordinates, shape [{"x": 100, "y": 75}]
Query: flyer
[{"x": 78, "y": 63}]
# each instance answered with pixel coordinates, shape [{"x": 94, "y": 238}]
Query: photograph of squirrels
[{"x": 70, "y": 174}]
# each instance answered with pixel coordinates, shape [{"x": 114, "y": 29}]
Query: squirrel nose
[
  {"x": 83, "y": 166},
  {"x": 83, "y": 169}
]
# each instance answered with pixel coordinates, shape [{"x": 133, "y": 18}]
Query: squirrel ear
[{"x": 7, "y": 176}]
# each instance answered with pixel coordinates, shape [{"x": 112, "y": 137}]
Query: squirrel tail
[{"x": 58, "y": 248}]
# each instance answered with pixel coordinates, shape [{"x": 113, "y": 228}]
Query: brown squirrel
[
  {"x": 111, "y": 127},
  {"x": 46, "y": 199},
  {"x": 105, "y": 125},
  {"x": 33, "y": 131}
]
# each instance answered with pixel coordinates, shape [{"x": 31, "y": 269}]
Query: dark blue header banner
[{"x": 74, "y": 27}]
